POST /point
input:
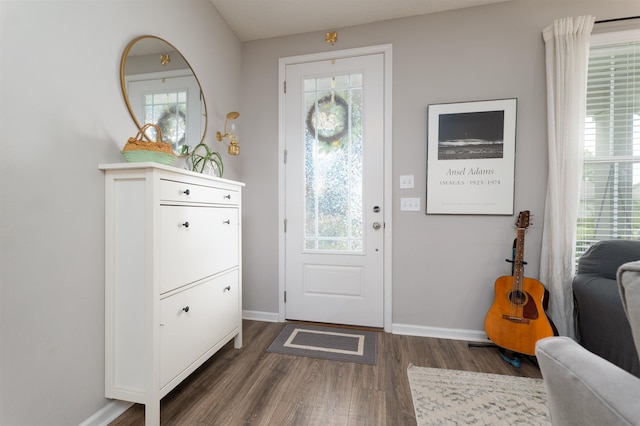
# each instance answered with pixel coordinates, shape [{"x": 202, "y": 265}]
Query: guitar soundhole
[{"x": 517, "y": 297}]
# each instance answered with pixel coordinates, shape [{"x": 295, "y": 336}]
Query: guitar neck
[{"x": 518, "y": 261}]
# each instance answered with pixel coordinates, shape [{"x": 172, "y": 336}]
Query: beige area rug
[{"x": 452, "y": 397}]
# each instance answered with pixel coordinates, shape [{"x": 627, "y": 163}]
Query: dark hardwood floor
[{"x": 251, "y": 386}]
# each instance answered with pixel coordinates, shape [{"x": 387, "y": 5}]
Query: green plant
[{"x": 202, "y": 157}]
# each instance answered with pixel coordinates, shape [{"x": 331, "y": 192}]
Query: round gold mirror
[{"x": 160, "y": 87}]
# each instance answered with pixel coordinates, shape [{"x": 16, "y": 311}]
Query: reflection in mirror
[{"x": 159, "y": 87}]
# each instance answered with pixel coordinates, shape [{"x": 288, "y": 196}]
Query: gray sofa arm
[
  {"x": 629, "y": 287},
  {"x": 584, "y": 389},
  {"x": 601, "y": 324},
  {"x": 603, "y": 258}
]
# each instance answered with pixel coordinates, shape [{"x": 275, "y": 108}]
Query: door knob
[{"x": 377, "y": 225}]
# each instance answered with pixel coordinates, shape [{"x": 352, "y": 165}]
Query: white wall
[
  {"x": 62, "y": 114},
  {"x": 444, "y": 267}
]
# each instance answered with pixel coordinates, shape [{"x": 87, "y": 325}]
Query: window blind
[{"x": 610, "y": 193}]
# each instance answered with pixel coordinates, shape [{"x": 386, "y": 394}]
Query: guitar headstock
[{"x": 523, "y": 220}]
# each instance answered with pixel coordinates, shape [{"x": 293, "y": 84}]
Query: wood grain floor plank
[
  {"x": 253, "y": 387},
  {"x": 368, "y": 407},
  {"x": 291, "y": 414},
  {"x": 302, "y": 388}
]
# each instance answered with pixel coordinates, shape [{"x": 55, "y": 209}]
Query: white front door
[{"x": 334, "y": 182}]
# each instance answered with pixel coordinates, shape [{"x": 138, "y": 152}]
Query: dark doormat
[{"x": 338, "y": 344}]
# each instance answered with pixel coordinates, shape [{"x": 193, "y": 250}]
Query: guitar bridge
[{"x": 515, "y": 319}]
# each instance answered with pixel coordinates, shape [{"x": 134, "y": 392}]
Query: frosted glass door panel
[{"x": 333, "y": 163}]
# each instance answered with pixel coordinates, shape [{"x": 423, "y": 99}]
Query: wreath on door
[
  {"x": 331, "y": 120},
  {"x": 171, "y": 121}
]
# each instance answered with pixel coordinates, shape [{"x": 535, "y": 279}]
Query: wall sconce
[{"x": 234, "y": 148}]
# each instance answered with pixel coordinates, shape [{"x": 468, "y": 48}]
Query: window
[
  {"x": 168, "y": 110},
  {"x": 610, "y": 193},
  {"x": 174, "y": 102},
  {"x": 333, "y": 164}
]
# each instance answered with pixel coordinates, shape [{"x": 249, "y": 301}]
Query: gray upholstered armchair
[{"x": 585, "y": 389}]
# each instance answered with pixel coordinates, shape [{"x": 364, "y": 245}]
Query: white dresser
[{"x": 173, "y": 277}]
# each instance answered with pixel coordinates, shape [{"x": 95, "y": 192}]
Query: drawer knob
[
  {"x": 227, "y": 222},
  {"x": 186, "y": 309},
  {"x": 227, "y": 288},
  {"x": 186, "y": 192},
  {"x": 228, "y": 196},
  {"x": 186, "y": 224}
]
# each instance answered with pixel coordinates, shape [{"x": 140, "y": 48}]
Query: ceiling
[{"x": 259, "y": 19}]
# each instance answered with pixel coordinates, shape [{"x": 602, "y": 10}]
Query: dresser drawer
[
  {"x": 195, "y": 320},
  {"x": 174, "y": 191},
  {"x": 196, "y": 242}
]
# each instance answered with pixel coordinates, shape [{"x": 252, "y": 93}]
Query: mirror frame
[{"x": 125, "y": 94}]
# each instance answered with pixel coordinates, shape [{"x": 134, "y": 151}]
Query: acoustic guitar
[{"x": 517, "y": 320}]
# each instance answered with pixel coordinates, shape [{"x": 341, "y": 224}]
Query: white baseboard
[
  {"x": 440, "y": 333},
  {"x": 261, "y": 316},
  {"x": 406, "y": 329},
  {"x": 107, "y": 414}
]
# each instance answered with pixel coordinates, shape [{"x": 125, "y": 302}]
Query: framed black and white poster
[{"x": 471, "y": 157}]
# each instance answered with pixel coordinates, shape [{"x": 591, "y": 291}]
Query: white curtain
[{"x": 567, "y": 52}]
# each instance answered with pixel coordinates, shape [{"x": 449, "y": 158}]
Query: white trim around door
[{"x": 386, "y": 50}]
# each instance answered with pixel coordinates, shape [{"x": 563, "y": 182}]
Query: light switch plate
[
  {"x": 410, "y": 204},
  {"x": 406, "y": 182}
]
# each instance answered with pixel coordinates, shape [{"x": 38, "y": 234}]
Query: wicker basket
[{"x": 137, "y": 150}]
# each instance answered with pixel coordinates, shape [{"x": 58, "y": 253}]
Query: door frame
[{"x": 386, "y": 50}]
